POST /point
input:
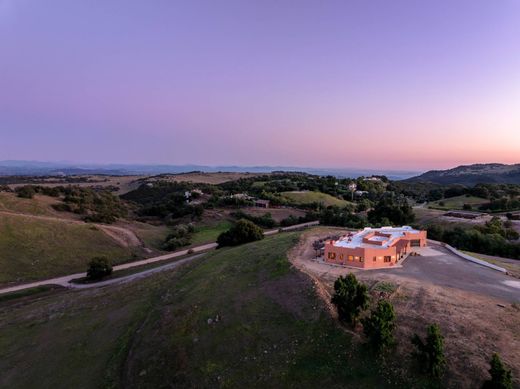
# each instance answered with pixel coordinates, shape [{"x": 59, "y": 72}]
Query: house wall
[{"x": 371, "y": 258}]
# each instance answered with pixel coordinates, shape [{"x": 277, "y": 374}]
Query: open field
[
  {"x": 152, "y": 236},
  {"x": 307, "y": 197},
  {"x": 426, "y": 216},
  {"x": 267, "y": 329},
  {"x": 32, "y": 249},
  {"x": 458, "y": 202},
  {"x": 124, "y": 183},
  {"x": 206, "y": 178},
  {"x": 210, "y": 232},
  {"x": 39, "y": 205},
  {"x": 463, "y": 298},
  {"x": 278, "y": 214}
]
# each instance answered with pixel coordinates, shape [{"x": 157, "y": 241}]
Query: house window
[
  {"x": 350, "y": 258},
  {"x": 361, "y": 259},
  {"x": 375, "y": 259},
  {"x": 341, "y": 256},
  {"x": 388, "y": 258},
  {"x": 332, "y": 255}
]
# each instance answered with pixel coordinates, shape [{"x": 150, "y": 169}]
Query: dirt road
[
  {"x": 123, "y": 236},
  {"x": 65, "y": 280}
]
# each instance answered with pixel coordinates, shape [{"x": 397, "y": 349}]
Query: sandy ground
[{"x": 475, "y": 325}]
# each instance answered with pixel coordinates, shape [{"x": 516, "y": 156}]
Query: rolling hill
[{"x": 490, "y": 173}]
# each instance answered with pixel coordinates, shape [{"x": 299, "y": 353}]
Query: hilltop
[{"x": 489, "y": 173}]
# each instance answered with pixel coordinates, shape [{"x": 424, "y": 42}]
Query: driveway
[{"x": 440, "y": 267}]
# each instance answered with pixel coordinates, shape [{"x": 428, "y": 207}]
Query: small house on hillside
[{"x": 262, "y": 203}]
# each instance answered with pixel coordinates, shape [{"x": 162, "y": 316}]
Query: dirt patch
[
  {"x": 123, "y": 236},
  {"x": 475, "y": 326}
]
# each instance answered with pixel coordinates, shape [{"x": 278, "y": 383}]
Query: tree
[
  {"x": 380, "y": 325},
  {"x": 98, "y": 268},
  {"x": 397, "y": 212},
  {"x": 243, "y": 231},
  {"x": 350, "y": 298},
  {"x": 430, "y": 354},
  {"x": 501, "y": 377},
  {"x": 26, "y": 192}
]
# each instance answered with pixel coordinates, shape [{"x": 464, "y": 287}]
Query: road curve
[{"x": 66, "y": 280}]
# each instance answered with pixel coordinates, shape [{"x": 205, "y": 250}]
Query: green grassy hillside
[
  {"x": 238, "y": 317},
  {"x": 458, "y": 202},
  {"x": 39, "y": 205},
  {"x": 314, "y": 197},
  {"x": 32, "y": 249}
]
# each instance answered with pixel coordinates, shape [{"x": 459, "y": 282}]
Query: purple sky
[{"x": 375, "y": 84}]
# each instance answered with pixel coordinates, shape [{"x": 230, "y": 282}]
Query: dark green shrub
[
  {"x": 243, "y": 231},
  {"x": 25, "y": 192},
  {"x": 380, "y": 325},
  {"x": 350, "y": 298},
  {"x": 501, "y": 378},
  {"x": 98, "y": 268},
  {"x": 430, "y": 353}
]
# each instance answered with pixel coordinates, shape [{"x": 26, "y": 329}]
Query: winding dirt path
[{"x": 66, "y": 280}]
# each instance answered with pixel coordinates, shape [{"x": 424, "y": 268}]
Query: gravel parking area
[
  {"x": 447, "y": 269},
  {"x": 435, "y": 265}
]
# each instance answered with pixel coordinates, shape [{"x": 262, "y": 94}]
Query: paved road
[
  {"x": 447, "y": 269},
  {"x": 65, "y": 280}
]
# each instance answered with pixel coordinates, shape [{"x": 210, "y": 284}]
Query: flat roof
[{"x": 356, "y": 240}]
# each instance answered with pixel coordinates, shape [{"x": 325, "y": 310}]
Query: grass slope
[
  {"x": 307, "y": 197},
  {"x": 209, "y": 233},
  {"x": 272, "y": 330},
  {"x": 32, "y": 249},
  {"x": 39, "y": 205},
  {"x": 458, "y": 202}
]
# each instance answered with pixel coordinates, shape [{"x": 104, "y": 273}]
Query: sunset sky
[{"x": 395, "y": 84}]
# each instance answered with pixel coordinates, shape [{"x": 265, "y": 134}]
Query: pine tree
[
  {"x": 380, "y": 325},
  {"x": 430, "y": 354},
  {"x": 501, "y": 377},
  {"x": 350, "y": 298}
]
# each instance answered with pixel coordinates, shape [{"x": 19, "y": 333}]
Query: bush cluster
[
  {"x": 491, "y": 239},
  {"x": 179, "y": 237},
  {"x": 243, "y": 231}
]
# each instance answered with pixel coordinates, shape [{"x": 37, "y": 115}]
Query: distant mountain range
[
  {"x": 37, "y": 168},
  {"x": 489, "y": 173}
]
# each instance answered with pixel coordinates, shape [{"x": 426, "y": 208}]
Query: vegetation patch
[
  {"x": 311, "y": 197},
  {"x": 33, "y": 249},
  {"x": 209, "y": 233},
  {"x": 459, "y": 203},
  {"x": 230, "y": 319}
]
